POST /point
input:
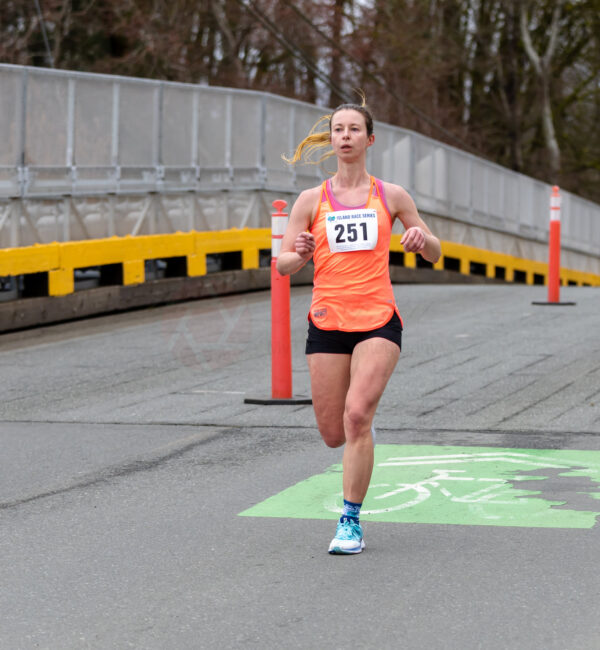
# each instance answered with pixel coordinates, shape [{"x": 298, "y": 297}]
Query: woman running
[{"x": 355, "y": 329}]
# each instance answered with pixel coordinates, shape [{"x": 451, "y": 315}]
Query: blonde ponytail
[{"x": 314, "y": 142}]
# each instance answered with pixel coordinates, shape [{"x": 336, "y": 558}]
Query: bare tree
[
  {"x": 517, "y": 81},
  {"x": 337, "y": 23},
  {"x": 542, "y": 65}
]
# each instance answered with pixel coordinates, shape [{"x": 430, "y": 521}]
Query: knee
[{"x": 357, "y": 420}]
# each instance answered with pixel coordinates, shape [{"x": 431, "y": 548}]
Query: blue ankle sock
[{"x": 351, "y": 511}]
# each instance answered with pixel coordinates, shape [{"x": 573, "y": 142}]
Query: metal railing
[{"x": 70, "y": 135}]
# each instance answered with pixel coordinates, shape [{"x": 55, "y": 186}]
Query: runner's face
[{"x": 349, "y": 134}]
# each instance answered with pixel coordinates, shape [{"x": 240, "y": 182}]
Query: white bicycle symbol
[
  {"x": 489, "y": 491},
  {"x": 407, "y": 495}
]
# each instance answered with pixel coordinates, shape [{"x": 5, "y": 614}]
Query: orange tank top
[{"x": 352, "y": 289}]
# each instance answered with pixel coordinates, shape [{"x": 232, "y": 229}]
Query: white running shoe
[{"x": 348, "y": 538}]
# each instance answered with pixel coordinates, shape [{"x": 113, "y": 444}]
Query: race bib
[{"x": 351, "y": 230}]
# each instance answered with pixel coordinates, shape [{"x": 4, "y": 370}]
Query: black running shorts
[{"x": 338, "y": 342}]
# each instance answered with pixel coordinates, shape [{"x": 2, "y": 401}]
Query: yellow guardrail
[
  {"x": 496, "y": 265},
  {"x": 59, "y": 260}
]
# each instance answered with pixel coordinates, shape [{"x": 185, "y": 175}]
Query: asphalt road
[{"x": 128, "y": 454}]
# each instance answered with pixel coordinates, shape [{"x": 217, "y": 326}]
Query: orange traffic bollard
[
  {"x": 554, "y": 252},
  {"x": 281, "y": 337},
  {"x": 554, "y": 247},
  {"x": 281, "y": 350}
]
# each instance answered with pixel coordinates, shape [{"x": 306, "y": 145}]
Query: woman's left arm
[{"x": 417, "y": 238}]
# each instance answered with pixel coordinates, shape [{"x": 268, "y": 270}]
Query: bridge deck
[{"x": 128, "y": 453}]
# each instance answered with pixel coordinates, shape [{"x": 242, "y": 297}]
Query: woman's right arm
[{"x": 298, "y": 245}]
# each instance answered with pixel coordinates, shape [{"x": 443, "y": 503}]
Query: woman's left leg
[{"x": 372, "y": 364}]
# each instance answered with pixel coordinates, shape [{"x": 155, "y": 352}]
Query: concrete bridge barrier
[{"x": 108, "y": 181}]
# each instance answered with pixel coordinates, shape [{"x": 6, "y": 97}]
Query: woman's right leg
[{"x": 329, "y": 379}]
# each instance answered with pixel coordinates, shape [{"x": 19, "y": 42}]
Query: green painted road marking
[{"x": 484, "y": 486}]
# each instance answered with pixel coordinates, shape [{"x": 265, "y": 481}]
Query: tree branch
[{"x": 553, "y": 36}]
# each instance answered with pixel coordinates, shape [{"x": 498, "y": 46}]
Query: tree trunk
[
  {"x": 543, "y": 71},
  {"x": 336, "y": 59}
]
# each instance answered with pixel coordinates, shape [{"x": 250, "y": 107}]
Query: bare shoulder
[
  {"x": 305, "y": 206},
  {"x": 402, "y": 206},
  {"x": 398, "y": 199},
  {"x": 309, "y": 196}
]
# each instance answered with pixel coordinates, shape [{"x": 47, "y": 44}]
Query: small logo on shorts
[{"x": 320, "y": 313}]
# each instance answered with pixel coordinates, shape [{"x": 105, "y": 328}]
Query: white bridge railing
[{"x": 88, "y": 156}]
